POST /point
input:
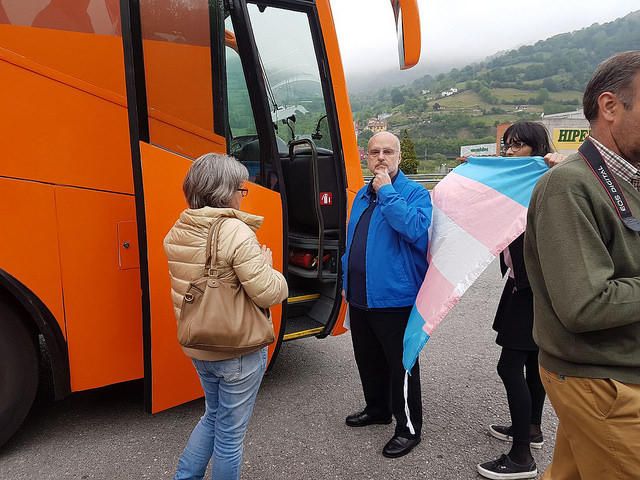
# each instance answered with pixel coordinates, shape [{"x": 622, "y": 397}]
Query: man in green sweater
[{"x": 582, "y": 252}]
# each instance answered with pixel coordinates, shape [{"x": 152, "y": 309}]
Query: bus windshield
[{"x": 287, "y": 52}]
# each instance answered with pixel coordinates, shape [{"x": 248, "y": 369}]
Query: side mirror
[{"x": 408, "y": 28}]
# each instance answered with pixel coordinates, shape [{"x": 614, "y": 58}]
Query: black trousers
[
  {"x": 525, "y": 393},
  {"x": 377, "y": 344}
]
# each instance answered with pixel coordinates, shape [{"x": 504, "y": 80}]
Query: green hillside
[{"x": 548, "y": 77}]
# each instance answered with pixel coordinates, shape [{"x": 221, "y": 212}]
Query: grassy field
[
  {"x": 470, "y": 102},
  {"x": 566, "y": 95},
  {"x": 465, "y": 100}
]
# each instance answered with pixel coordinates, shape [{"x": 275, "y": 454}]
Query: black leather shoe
[
  {"x": 362, "y": 419},
  {"x": 399, "y": 446}
]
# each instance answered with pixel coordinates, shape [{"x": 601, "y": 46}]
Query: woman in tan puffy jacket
[{"x": 213, "y": 188}]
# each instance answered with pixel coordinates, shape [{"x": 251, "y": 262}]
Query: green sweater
[{"x": 584, "y": 269}]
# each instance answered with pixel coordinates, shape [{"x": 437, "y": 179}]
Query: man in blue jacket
[{"x": 383, "y": 267}]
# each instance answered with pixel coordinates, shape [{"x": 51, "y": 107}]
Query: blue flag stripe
[{"x": 499, "y": 173}]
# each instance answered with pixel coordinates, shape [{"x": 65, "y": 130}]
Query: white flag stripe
[{"x": 454, "y": 251}]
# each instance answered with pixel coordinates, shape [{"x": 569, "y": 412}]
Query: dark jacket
[
  {"x": 516, "y": 251},
  {"x": 514, "y": 317}
]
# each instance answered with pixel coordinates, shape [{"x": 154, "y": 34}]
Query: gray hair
[
  {"x": 614, "y": 75},
  {"x": 212, "y": 181}
]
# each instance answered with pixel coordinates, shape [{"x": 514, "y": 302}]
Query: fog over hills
[
  {"x": 360, "y": 82},
  {"x": 459, "y": 48},
  {"x": 463, "y": 105}
]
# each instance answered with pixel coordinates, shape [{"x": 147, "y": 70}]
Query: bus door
[
  {"x": 308, "y": 168},
  {"x": 176, "y": 86}
]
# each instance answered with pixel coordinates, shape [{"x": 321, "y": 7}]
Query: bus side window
[
  {"x": 78, "y": 39},
  {"x": 240, "y": 122},
  {"x": 178, "y": 73}
]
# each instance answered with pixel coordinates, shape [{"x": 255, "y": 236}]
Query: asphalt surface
[{"x": 298, "y": 430}]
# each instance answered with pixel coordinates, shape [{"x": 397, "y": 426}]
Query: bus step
[
  {"x": 302, "y": 326},
  {"x": 302, "y": 298}
]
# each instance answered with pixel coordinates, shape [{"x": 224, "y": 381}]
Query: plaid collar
[{"x": 619, "y": 165}]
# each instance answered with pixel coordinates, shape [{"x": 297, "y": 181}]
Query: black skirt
[{"x": 514, "y": 318}]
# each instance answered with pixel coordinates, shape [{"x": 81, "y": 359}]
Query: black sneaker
[
  {"x": 505, "y": 468},
  {"x": 504, "y": 433}
]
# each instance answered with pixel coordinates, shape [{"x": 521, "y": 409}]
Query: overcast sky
[{"x": 459, "y": 30}]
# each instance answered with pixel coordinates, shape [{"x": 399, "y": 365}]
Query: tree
[
  {"x": 411, "y": 105},
  {"x": 486, "y": 95},
  {"x": 397, "y": 97},
  {"x": 409, "y": 163},
  {"x": 364, "y": 137},
  {"x": 551, "y": 85},
  {"x": 543, "y": 96}
]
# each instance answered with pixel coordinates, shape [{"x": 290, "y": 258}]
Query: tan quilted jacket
[{"x": 239, "y": 260}]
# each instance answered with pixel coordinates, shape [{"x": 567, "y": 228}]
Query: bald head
[
  {"x": 390, "y": 136},
  {"x": 383, "y": 151}
]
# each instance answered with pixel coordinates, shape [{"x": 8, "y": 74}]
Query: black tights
[{"x": 525, "y": 395}]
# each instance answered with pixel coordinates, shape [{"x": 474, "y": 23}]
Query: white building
[
  {"x": 574, "y": 115},
  {"x": 567, "y": 129},
  {"x": 478, "y": 150}
]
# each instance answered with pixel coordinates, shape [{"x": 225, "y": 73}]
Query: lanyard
[{"x": 592, "y": 156}]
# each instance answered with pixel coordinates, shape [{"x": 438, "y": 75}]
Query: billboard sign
[
  {"x": 480, "y": 150},
  {"x": 569, "y": 138}
]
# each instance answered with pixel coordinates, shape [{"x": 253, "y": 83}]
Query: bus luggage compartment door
[{"x": 170, "y": 378}]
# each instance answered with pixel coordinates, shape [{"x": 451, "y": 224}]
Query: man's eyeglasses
[
  {"x": 243, "y": 191},
  {"x": 514, "y": 146},
  {"x": 387, "y": 152}
]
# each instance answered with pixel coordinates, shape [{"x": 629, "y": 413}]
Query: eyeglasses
[
  {"x": 387, "y": 152},
  {"x": 243, "y": 191},
  {"x": 514, "y": 146}
]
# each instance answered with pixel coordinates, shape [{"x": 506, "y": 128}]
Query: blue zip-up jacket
[{"x": 396, "y": 251}]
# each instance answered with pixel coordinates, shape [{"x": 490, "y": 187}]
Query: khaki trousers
[{"x": 598, "y": 434}]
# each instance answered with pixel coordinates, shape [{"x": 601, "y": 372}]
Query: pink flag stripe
[
  {"x": 488, "y": 229},
  {"x": 434, "y": 302}
]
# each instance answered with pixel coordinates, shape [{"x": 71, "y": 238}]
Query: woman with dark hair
[{"x": 514, "y": 324}]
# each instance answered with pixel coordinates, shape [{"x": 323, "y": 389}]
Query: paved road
[{"x": 298, "y": 430}]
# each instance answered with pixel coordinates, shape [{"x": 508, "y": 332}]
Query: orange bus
[{"x": 104, "y": 105}]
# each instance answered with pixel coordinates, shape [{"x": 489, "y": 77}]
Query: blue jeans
[{"x": 230, "y": 389}]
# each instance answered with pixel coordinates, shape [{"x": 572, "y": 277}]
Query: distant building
[
  {"x": 573, "y": 115},
  {"x": 478, "y": 150},
  {"x": 376, "y": 125},
  {"x": 567, "y": 129},
  {"x": 356, "y": 127},
  {"x": 448, "y": 93}
]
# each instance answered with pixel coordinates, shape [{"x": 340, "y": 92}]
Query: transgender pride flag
[{"x": 478, "y": 209}]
